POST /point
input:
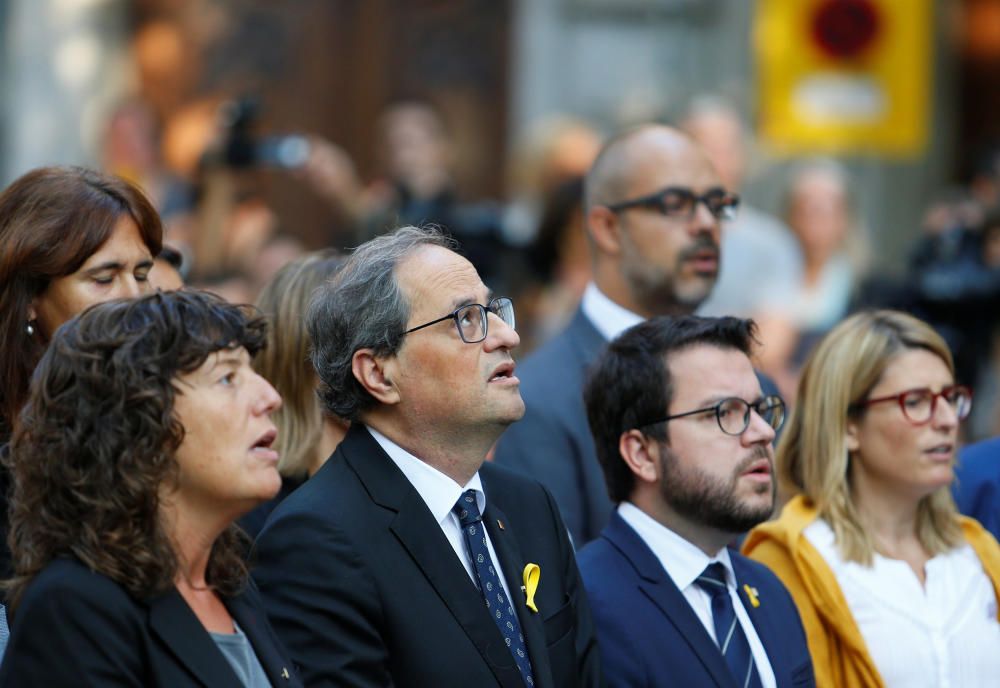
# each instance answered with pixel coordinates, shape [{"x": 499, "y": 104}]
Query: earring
[{"x": 30, "y": 329}]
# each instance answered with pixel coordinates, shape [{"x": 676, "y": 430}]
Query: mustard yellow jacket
[{"x": 840, "y": 657}]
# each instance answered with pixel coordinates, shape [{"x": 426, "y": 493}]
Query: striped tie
[{"x": 728, "y": 632}]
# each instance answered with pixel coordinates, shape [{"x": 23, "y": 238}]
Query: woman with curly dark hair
[{"x": 145, "y": 435}]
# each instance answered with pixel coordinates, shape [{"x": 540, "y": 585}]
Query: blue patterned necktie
[
  {"x": 729, "y": 634},
  {"x": 499, "y": 607}
]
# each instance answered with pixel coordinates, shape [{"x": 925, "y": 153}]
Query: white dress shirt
[
  {"x": 608, "y": 317},
  {"x": 684, "y": 562},
  {"x": 941, "y": 634},
  {"x": 440, "y": 493}
]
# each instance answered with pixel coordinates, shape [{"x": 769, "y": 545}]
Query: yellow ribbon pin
[
  {"x": 532, "y": 573},
  {"x": 751, "y": 595}
]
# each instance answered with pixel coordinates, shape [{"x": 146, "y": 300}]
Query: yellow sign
[{"x": 844, "y": 76}]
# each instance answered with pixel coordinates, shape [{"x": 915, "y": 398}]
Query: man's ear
[
  {"x": 604, "y": 229},
  {"x": 375, "y": 375},
  {"x": 641, "y": 454}
]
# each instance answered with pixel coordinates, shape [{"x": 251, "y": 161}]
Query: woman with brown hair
[
  {"x": 69, "y": 237},
  {"x": 146, "y": 434},
  {"x": 894, "y": 587}
]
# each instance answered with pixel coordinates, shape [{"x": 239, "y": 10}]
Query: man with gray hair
[{"x": 406, "y": 560}]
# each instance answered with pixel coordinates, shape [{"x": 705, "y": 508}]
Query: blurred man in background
[{"x": 653, "y": 206}]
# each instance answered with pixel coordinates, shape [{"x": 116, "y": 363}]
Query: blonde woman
[
  {"x": 306, "y": 436},
  {"x": 894, "y": 587}
]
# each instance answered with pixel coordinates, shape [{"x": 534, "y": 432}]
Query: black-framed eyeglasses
[
  {"x": 918, "y": 405},
  {"x": 733, "y": 414},
  {"x": 472, "y": 320},
  {"x": 679, "y": 201}
]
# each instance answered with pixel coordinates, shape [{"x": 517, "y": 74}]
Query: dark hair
[
  {"x": 97, "y": 438},
  {"x": 361, "y": 308},
  {"x": 629, "y": 384},
  {"x": 172, "y": 257},
  {"x": 52, "y": 220}
]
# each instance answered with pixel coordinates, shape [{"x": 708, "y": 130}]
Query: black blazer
[
  {"x": 650, "y": 636},
  {"x": 75, "y": 628},
  {"x": 365, "y": 590}
]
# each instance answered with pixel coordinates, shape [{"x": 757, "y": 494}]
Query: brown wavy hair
[
  {"x": 98, "y": 435},
  {"x": 52, "y": 220}
]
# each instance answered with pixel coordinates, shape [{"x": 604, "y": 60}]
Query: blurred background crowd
[{"x": 862, "y": 135}]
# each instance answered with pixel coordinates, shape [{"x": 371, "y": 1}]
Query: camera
[{"x": 242, "y": 148}]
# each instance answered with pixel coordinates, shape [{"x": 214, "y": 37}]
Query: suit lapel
[
  {"x": 251, "y": 620},
  {"x": 172, "y": 620},
  {"x": 657, "y": 585},
  {"x": 512, "y": 565},
  {"x": 421, "y": 536}
]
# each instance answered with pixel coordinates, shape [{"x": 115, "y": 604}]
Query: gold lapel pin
[
  {"x": 751, "y": 595},
  {"x": 500, "y": 524},
  {"x": 284, "y": 673}
]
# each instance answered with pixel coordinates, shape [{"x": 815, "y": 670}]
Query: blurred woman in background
[
  {"x": 820, "y": 211},
  {"x": 306, "y": 436},
  {"x": 146, "y": 434},
  {"x": 894, "y": 587}
]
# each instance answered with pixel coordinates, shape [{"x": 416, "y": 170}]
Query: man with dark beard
[
  {"x": 653, "y": 207},
  {"x": 684, "y": 437}
]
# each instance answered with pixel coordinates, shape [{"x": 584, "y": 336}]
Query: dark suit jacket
[
  {"x": 363, "y": 587},
  {"x": 650, "y": 636},
  {"x": 977, "y": 483},
  {"x": 552, "y": 443},
  {"x": 75, "y": 627}
]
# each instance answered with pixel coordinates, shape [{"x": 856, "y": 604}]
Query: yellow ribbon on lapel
[
  {"x": 752, "y": 595},
  {"x": 532, "y": 573}
]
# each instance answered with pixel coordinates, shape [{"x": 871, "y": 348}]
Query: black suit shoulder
[
  {"x": 77, "y": 627},
  {"x": 313, "y": 563},
  {"x": 88, "y": 624}
]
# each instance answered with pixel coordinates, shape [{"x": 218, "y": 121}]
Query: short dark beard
[
  {"x": 708, "y": 502},
  {"x": 654, "y": 288}
]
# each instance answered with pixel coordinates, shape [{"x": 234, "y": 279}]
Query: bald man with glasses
[
  {"x": 653, "y": 207},
  {"x": 684, "y": 435}
]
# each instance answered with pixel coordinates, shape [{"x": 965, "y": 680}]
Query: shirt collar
[
  {"x": 608, "y": 317},
  {"x": 683, "y": 561},
  {"x": 438, "y": 491}
]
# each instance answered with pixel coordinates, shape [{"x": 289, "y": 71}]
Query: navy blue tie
[
  {"x": 499, "y": 607},
  {"x": 728, "y": 632}
]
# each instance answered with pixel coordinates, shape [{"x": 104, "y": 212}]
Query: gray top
[{"x": 240, "y": 655}]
